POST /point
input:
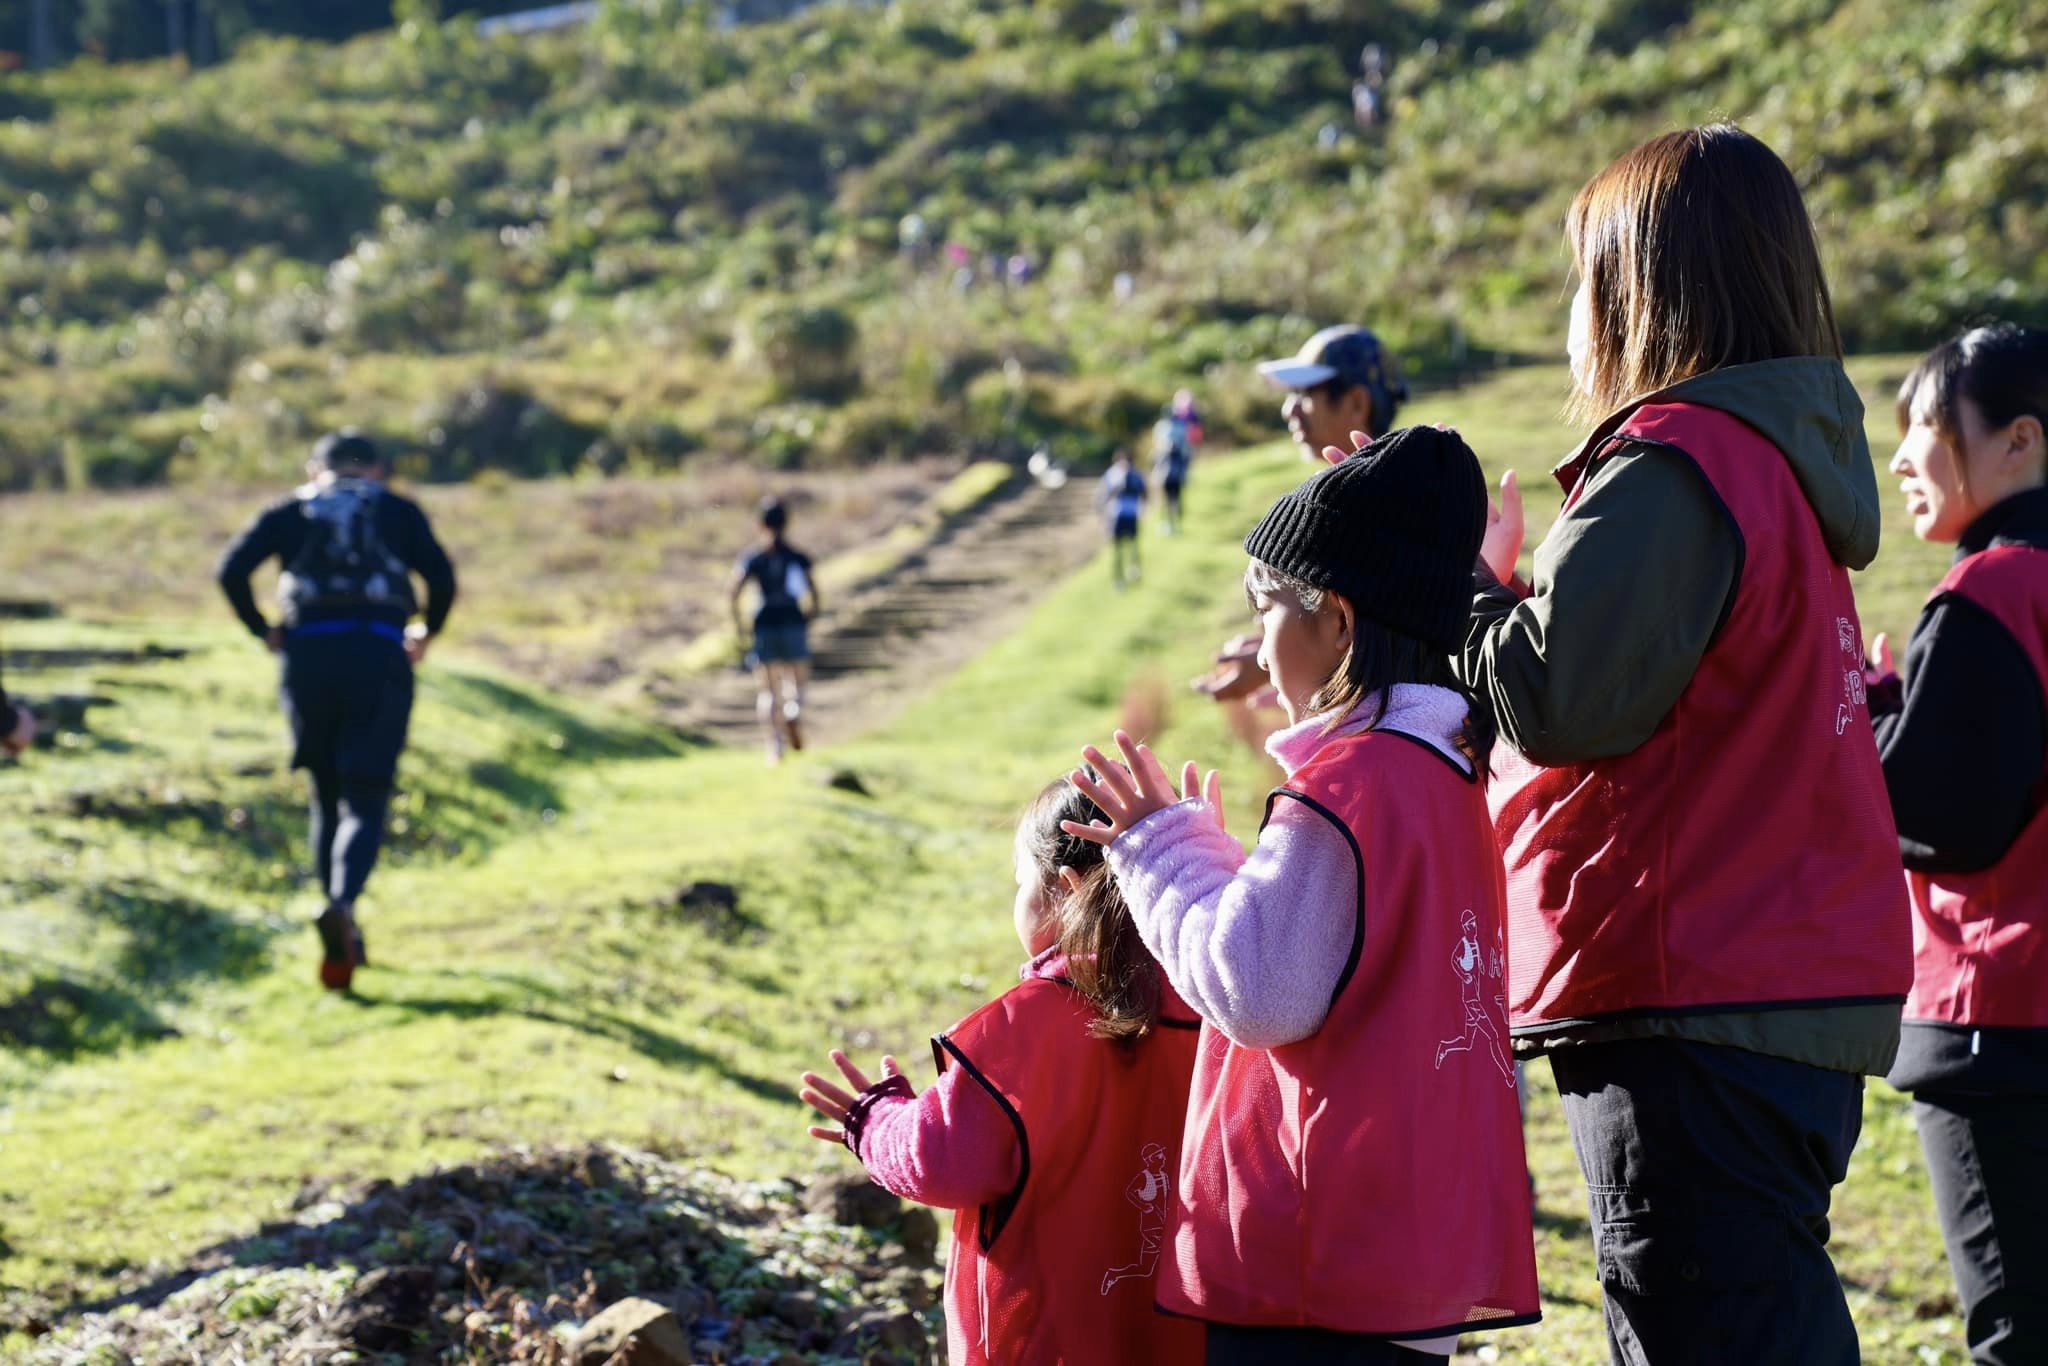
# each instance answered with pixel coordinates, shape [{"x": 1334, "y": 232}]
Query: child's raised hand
[
  {"x": 1506, "y": 527},
  {"x": 1337, "y": 455},
  {"x": 1127, "y": 792},
  {"x": 833, "y": 1103},
  {"x": 1210, "y": 790}
]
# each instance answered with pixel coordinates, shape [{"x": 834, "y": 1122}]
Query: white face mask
[{"x": 1580, "y": 339}]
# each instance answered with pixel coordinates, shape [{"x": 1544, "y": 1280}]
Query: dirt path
[{"x": 879, "y": 645}]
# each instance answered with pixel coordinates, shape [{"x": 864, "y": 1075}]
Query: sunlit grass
[{"x": 535, "y": 978}]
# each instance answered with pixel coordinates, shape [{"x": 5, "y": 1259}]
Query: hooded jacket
[{"x": 1631, "y": 589}]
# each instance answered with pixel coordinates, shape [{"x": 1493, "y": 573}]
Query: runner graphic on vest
[
  {"x": 1472, "y": 963},
  {"x": 1149, "y": 1191}
]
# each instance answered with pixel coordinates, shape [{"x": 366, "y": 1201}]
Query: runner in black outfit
[
  {"x": 782, "y": 648},
  {"x": 348, "y": 547}
]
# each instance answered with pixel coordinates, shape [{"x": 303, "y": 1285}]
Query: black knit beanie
[{"x": 1395, "y": 529}]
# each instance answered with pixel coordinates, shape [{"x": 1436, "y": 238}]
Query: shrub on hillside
[
  {"x": 805, "y": 352},
  {"x": 493, "y": 426}
]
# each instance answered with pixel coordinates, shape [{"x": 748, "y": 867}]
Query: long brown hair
[
  {"x": 1697, "y": 253},
  {"x": 1106, "y": 960}
]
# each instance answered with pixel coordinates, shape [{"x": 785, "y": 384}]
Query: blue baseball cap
[{"x": 1348, "y": 354}]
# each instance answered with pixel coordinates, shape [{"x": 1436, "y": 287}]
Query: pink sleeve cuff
[{"x": 951, "y": 1147}]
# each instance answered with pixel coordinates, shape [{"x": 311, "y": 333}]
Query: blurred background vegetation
[{"x": 871, "y": 232}]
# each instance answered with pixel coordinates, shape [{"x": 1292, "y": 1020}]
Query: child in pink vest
[
  {"x": 1352, "y": 1182},
  {"x": 1054, "y": 1129}
]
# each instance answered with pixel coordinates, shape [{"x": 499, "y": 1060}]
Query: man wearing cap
[
  {"x": 347, "y": 642},
  {"x": 1340, "y": 382}
]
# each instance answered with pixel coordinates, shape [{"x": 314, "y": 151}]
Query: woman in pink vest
[
  {"x": 1352, "y": 1187},
  {"x": 1054, "y": 1129},
  {"x": 1965, "y": 750},
  {"x": 1707, "y": 934}
]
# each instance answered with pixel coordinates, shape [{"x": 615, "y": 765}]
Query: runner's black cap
[{"x": 346, "y": 449}]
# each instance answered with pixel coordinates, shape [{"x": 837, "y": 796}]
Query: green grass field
[{"x": 171, "y": 1076}]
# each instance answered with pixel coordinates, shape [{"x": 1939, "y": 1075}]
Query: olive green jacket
[{"x": 1629, "y": 588}]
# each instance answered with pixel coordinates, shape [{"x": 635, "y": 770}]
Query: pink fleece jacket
[
  {"x": 1256, "y": 944},
  {"x": 953, "y": 1147}
]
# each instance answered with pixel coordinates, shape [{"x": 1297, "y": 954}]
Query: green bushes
[
  {"x": 805, "y": 352},
  {"x": 658, "y": 231},
  {"x": 494, "y": 426}
]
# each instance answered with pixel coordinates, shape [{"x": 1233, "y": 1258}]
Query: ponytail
[{"x": 1107, "y": 961}]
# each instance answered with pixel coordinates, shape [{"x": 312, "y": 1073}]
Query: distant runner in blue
[
  {"x": 1175, "y": 439},
  {"x": 787, "y": 600},
  {"x": 1121, "y": 496}
]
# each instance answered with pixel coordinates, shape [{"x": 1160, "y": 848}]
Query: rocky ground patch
[{"x": 590, "y": 1256}]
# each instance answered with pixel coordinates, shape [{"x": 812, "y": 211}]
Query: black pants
[
  {"x": 348, "y": 831},
  {"x": 1232, "y": 1345},
  {"x": 1988, "y": 1159},
  {"x": 348, "y": 697},
  {"x": 1709, "y": 1172}
]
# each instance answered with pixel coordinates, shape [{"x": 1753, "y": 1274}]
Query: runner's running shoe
[{"x": 341, "y": 947}]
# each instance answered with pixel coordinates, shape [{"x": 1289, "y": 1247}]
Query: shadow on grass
[
  {"x": 552, "y": 727},
  {"x": 1573, "y": 1226},
  {"x": 167, "y": 942},
  {"x": 171, "y": 939},
  {"x": 63, "y": 1016},
  {"x": 522, "y": 997}
]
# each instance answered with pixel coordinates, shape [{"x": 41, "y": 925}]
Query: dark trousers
[
  {"x": 1987, "y": 1157},
  {"x": 1709, "y": 1172},
  {"x": 348, "y": 697},
  {"x": 348, "y": 831},
  {"x": 1233, "y": 1345}
]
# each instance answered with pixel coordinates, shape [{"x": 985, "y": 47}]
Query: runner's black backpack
[{"x": 344, "y": 563}]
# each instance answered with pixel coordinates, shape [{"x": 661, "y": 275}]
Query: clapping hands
[{"x": 1130, "y": 791}]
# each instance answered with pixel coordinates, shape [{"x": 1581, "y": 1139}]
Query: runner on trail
[
  {"x": 348, "y": 547},
  {"x": 782, "y": 650},
  {"x": 1176, "y": 437},
  {"x": 1121, "y": 496}
]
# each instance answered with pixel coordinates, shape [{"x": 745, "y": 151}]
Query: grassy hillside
[
  {"x": 622, "y": 246},
  {"x": 172, "y": 1080}
]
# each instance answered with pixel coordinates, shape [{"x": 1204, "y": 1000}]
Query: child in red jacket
[{"x": 1053, "y": 1132}]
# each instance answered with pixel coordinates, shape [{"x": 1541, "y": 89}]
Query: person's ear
[
  {"x": 1360, "y": 416},
  {"x": 2025, "y": 449},
  {"x": 1346, "y": 620},
  {"x": 1070, "y": 881}
]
